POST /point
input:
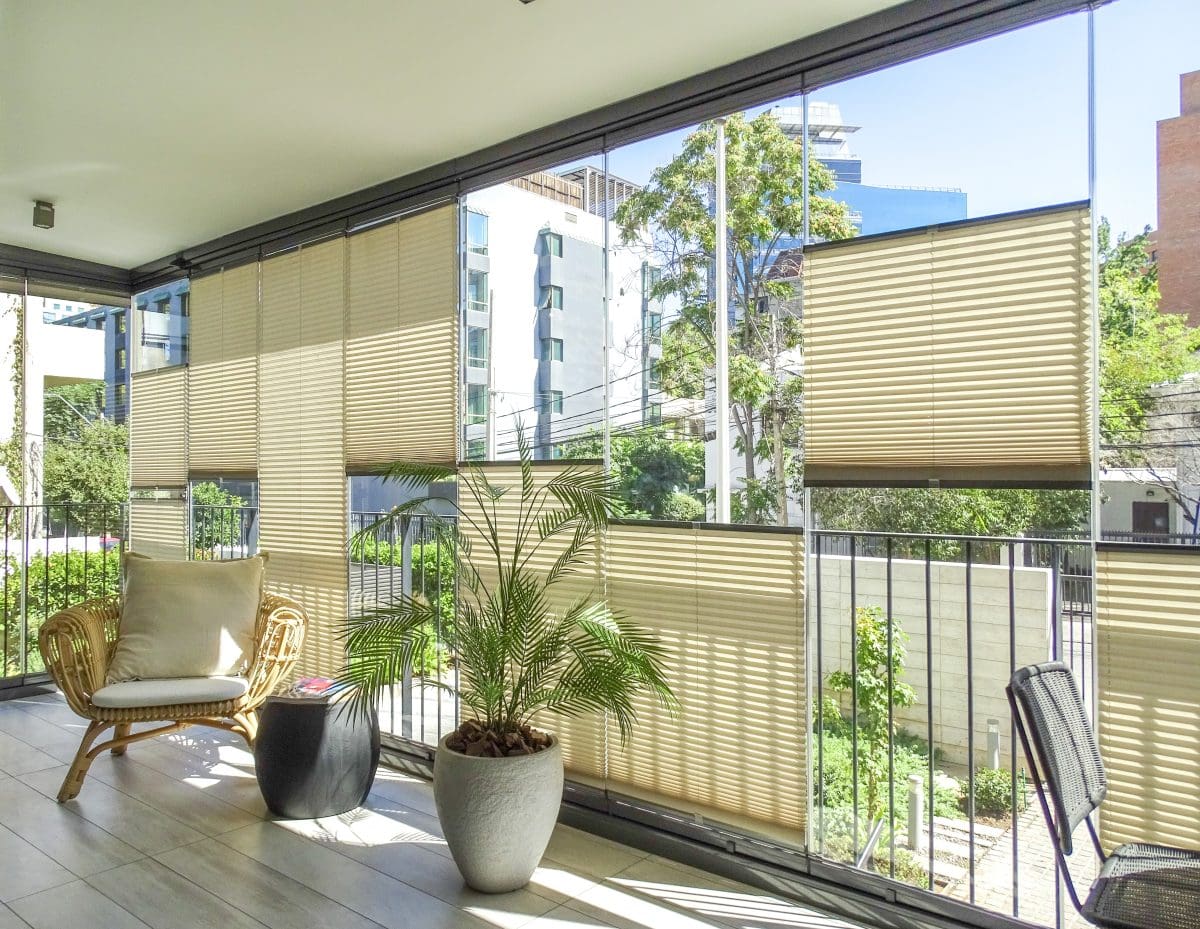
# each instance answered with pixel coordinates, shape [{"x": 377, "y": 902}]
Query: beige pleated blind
[
  {"x": 158, "y": 454},
  {"x": 158, "y": 528},
  {"x": 223, "y": 377},
  {"x": 402, "y": 341},
  {"x": 582, "y": 738},
  {"x": 729, "y": 606},
  {"x": 1148, "y": 660},
  {"x": 302, "y": 483},
  {"x": 961, "y": 354}
]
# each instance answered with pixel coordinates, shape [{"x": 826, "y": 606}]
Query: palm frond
[{"x": 416, "y": 473}]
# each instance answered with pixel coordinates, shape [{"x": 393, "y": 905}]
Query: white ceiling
[{"x": 154, "y": 126}]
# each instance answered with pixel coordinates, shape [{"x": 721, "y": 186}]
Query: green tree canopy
[
  {"x": 1140, "y": 347},
  {"x": 92, "y": 467},
  {"x": 68, "y": 408},
  {"x": 765, "y": 203},
  {"x": 650, "y": 470}
]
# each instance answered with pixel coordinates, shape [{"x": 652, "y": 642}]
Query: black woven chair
[{"x": 1141, "y": 886}]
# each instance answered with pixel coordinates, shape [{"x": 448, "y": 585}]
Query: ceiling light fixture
[{"x": 43, "y": 214}]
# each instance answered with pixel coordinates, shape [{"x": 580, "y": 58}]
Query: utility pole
[{"x": 721, "y": 332}]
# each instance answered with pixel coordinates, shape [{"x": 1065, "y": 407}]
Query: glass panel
[
  {"x": 477, "y": 403},
  {"x": 477, "y": 233},
  {"x": 477, "y": 348},
  {"x": 552, "y": 349},
  {"x": 478, "y": 299},
  {"x": 224, "y": 518},
  {"x": 161, "y": 327},
  {"x": 552, "y": 298}
]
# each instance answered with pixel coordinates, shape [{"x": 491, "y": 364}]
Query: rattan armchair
[{"x": 77, "y": 645}]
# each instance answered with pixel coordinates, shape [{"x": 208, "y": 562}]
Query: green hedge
[{"x": 51, "y": 584}]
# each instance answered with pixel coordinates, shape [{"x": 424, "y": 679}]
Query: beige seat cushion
[
  {"x": 186, "y": 618},
  {"x": 159, "y": 692}
]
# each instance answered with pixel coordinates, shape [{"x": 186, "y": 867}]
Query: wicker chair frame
[{"x": 77, "y": 645}]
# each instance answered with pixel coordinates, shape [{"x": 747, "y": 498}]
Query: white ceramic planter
[{"x": 498, "y": 813}]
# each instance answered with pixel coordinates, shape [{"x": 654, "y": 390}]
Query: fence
[
  {"x": 218, "y": 533},
  {"x": 408, "y": 558},
  {"x": 54, "y": 555},
  {"x": 917, "y": 774}
]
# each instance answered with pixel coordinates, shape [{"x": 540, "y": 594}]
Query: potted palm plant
[{"x": 519, "y": 649}]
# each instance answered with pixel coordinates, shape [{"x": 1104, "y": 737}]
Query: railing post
[
  {"x": 916, "y": 813},
  {"x": 406, "y": 587}
]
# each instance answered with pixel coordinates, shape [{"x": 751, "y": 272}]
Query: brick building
[{"x": 1178, "y": 234}]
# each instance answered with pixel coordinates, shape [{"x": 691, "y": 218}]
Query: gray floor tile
[
  {"x": 437, "y": 875},
  {"x": 17, "y": 757},
  {"x": 128, "y": 818},
  {"x": 10, "y": 920},
  {"x": 74, "y": 843},
  {"x": 163, "y": 899},
  {"x": 590, "y": 854},
  {"x": 377, "y": 896},
  {"x": 73, "y": 905},
  {"x": 258, "y": 890},
  {"x": 185, "y": 802},
  {"x": 25, "y": 869}
]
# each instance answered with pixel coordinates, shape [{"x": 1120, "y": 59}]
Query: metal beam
[{"x": 77, "y": 278}]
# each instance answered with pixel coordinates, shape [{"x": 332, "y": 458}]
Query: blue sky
[{"x": 1006, "y": 119}]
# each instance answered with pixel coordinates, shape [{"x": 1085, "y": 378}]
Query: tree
[
  {"x": 1141, "y": 350},
  {"x": 765, "y": 202},
  {"x": 876, "y": 689},
  {"x": 1008, "y": 512},
  {"x": 651, "y": 470},
  {"x": 217, "y": 518},
  {"x": 92, "y": 467},
  {"x": 69, "y": 408}
]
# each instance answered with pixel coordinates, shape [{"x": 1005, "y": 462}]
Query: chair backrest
[{"x": 1067, "y": 755}]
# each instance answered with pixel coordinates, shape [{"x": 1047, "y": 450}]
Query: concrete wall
[
  {"x": 1116, "y": 507},
  {"x": 56, "y": 355},
  {"x": 990, "y": 635}
]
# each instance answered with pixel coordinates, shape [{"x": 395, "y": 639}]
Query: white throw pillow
[{"x": 186, "y": 618}]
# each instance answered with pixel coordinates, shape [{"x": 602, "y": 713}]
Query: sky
[{"x": 1005, "y": 119}]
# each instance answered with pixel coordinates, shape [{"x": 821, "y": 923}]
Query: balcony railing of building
[
  {"x": 917, "y": 773},
  {"x": 408, "y": 558},
  {"x": 55, "y": 555},
  {"x": 222, "y": 532}
]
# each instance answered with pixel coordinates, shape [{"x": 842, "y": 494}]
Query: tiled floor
[{"x": 175, "y": 836}]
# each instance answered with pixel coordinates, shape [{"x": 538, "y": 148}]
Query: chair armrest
[
  {"x": 280, "y": 636},
  {"x": 76, "y": 644}
]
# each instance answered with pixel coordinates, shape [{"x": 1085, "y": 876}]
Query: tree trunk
[{"x": 781, "y": 500}]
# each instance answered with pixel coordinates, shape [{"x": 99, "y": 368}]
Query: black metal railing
[
  {"x": 916, "y": 770},
  {"x": 409, "y": 557},
  {"x": 55, "y": 555},
  {"x": 218, "y": 533}
]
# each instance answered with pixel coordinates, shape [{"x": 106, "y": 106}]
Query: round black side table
[{"x": 314, "y": 757}]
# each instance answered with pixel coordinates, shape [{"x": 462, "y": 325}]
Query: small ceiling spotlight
[{"x": 43, "y": 214}]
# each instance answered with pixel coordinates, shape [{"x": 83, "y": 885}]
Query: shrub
[
  {"x": 993, "y": 793},
  {"x": 876, "y": 688},
  {"x": 683, "y": 507},
  {"x": 51, "y": 584}
]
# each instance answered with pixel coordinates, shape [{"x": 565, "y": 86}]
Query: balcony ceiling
[{"x": 156, "y": 126}]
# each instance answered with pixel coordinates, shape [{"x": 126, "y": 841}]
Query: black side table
[{"x": 314, "y": 757}]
